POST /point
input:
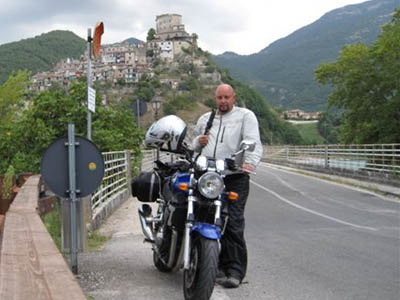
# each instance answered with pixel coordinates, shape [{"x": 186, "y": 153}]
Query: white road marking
[
  {"x": 310, "y": 210},
  {"x": 346, "y": 204},
  {"x": 320, "y": 177}
]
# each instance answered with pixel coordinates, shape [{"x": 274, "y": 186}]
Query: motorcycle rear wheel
[{"x": 199, "y": 279}]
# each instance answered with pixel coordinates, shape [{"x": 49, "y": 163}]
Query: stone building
[
  {"x": 170, "y": 26},
  {"x": 170, "y": 37}
]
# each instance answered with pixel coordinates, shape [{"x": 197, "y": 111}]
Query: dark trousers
[{"x": 233, "y": 256}]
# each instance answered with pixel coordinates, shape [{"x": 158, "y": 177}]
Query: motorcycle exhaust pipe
[
  {"x": 172, "y": 249},
  {"x": 144, "y": 211}
]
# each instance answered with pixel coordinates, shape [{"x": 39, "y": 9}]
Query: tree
[
  {"x": 367, "y": 85},
  {"x": 11, "y": 102},
  {"x": 47, "y": 118},
  {"x": 328, "y": 127},
  {"x": 12, "y": 95},
  {"x": 151, "y": 34}
]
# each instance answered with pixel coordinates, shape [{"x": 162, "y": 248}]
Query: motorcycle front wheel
[{"x": 199, "y": 279}]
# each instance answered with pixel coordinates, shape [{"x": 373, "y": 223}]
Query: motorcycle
[{"x": 191, "y": 199}]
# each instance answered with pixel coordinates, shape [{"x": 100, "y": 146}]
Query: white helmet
[{"x": 169, "y": 129}]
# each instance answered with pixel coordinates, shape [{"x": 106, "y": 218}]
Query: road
[{"x": 307, "y": 239}]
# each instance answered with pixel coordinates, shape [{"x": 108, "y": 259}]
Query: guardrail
[{"x": 374, "y": 161}]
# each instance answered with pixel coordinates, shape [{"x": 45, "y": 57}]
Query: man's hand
[
  {"x": 248, "y": 168},
  {"x": 203, "y": 140}
]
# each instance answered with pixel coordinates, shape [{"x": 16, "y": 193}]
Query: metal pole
[
  {"x": 138, "y": 112},
  {"x": 326, "y": 157},
  {"x": 89, "y": 83},
  {"x": 72, "y": 197}
]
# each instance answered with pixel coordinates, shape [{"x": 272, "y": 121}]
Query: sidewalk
[{"x": 124, "y": 269}]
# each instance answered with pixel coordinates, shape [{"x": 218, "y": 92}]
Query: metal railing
[
  {"x": 376, "y": 161},
  {"x": 149, "y": 156},
  {"x": 366, "y": 160},
  {"x": 115, "y": 180},
  {"x": 117, "y": 175}
]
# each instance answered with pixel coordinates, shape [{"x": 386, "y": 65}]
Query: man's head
[{"x": 224, "y": 98}]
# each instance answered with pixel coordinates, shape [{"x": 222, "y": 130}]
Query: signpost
[
  {"x": 89, "y": 82},
  {"x": 99, "y": 30},
  {"x": 91, "y": 99},
  {"x": 73, "y": 168}
]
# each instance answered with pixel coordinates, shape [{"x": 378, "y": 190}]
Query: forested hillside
[
  {"x": 40, "y": 53},
  {"x": 283, "y": 72}
]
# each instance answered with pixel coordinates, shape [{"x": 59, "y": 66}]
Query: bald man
[{"x": 230, "y": 127}]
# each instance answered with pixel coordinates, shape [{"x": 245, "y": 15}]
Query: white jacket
[{"x": 226, "y": 133}]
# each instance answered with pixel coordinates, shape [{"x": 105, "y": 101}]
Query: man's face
[{"x": 225, "y": 98}]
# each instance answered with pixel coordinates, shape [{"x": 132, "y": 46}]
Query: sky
[{"x": 241, "y": 26}]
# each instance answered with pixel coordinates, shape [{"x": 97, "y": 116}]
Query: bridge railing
[
  {"x": 364, "y": 160},
  {"x": 115, "y": 187},
  {"x": 373, "y": 161},
  {"x": 149, "y": 156}
]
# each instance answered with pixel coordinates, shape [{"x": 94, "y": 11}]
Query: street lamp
[{"x": 156, "y": 104}]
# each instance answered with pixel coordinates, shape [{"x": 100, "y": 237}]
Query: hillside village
[{"x": 127, "y": 63}]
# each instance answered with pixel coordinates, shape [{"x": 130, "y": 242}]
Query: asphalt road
[{"x": 307, "y": 239}]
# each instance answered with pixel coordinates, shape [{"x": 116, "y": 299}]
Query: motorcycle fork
[{"x": 188, "y": 228}]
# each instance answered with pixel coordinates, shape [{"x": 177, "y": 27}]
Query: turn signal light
[
  {"x": 233, "y": 196},
  {"x": 183, "y": 186}
]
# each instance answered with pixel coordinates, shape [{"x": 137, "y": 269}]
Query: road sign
[
  {"x": 139, "y": 106},
  {"x": 91, "y": 99},
  {"x": 98, "y": 31},
  {"x": 89, "y": 167}
]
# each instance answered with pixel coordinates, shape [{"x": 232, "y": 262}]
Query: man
[{"x": 231, "y": 126}]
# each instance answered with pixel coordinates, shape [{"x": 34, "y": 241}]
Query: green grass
[
  {"x": 309, "y": 133},
  {"x": 52, "y": 221},
  {"x": 96, "y": 241}
]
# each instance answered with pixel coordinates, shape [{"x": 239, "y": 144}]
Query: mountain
[
  {"x": 133, "y": 40},
  {"x": 40, "y": 53},
  {"x": 283, "y": 72}
]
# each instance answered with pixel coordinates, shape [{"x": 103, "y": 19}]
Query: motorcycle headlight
[{"x": 210, "y": 185}]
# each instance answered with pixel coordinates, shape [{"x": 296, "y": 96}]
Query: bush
[
  {"x": 8, "y": 182},
  {"x": 47, "y": 118},
  {"x": 210, "y": 103}
]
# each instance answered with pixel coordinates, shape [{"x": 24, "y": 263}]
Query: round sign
[
  {"x": 139, "y": 105},
  {"x": 89, "y": 167}
]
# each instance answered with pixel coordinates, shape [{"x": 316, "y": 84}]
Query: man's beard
[{"x": 223, "y": 108}]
